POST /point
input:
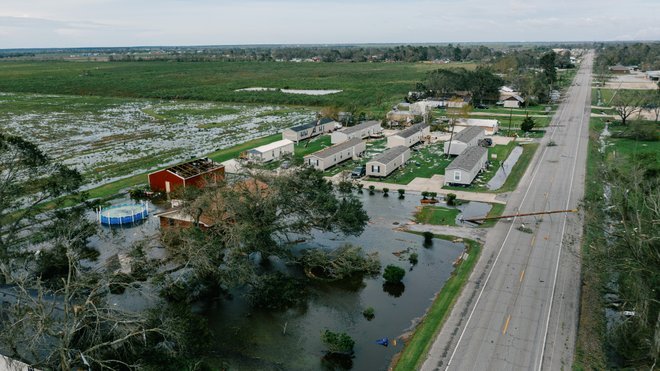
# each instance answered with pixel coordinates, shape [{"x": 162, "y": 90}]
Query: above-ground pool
[{"x": 124, "y": 214}]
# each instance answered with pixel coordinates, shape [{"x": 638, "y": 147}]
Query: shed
[
  {"x": 410, "y": 136},
  {"x": 331, "y": 156},
  {"x": 272, "y": 151},
  {"x": 388, "y": 161},
  {"x": 490, "y": 126},
  {"x": 513, "y": 101},
  {"x": 468, "y": 137},
  {"x": 466, "y": 166},
  {"x": 193, "y": 173},
  {"x": 309, "y": 130},
  {"x": 363, "y": 130}
]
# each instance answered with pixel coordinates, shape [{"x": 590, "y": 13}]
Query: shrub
[
  {"x": 433, "y": 195},
  {"x": 337, "y": 342},
  {"x": 371, "y": 189},
  {"x": 359, "y": 187},
  {"x": 393, "y": 274},
  {"x": 385, "y": 192},
  {"x": 369, "y": 313},
  {"x": 425, "y": 194},
  {"x": 528, "y": 124},
  {"x": 402, "y": 192},
  {"x": 428, "y": 238},
  {"x": 413, "y": 258},
  {"x": 451, "y": 199}
]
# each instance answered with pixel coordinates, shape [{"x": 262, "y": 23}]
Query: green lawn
[
  {"x": 416, "y": 349},
  {"x": 541, "y": 122},
  {"x": 495, "y": 210},
  {"x": 425, "y": 163},
  {"x": 437, "y": 215},
  {"x": 310, "y": 146},
  {"x": 532, "y": 110}
]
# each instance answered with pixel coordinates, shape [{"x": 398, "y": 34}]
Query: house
[
  {"x": 309, "y": 130},
  {"x": 331, "y": 156},
  {"x": 192, "y": 173},
  {"x": 360, "y": 131},
  {"x": 653, "y": 75},
  {"x": 466, "y": 166},
  {"x": 410, "y": 136},
  {"x": 272, "y": 151},
  {"x": 619, "y": 70},
  {"x": 513, "y": 101},
  {"x": 490, "y": 126},
  {"x": 468, "y": 137},
  {"x": 388, "y": 161}
]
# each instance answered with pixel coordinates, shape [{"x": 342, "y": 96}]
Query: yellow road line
[
  {"x": 522, "y": 275},
  {"x": 506, "y": 325}
]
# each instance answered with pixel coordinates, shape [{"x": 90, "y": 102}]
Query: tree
[
  {"x": 484, "y": 84},
  {"x": 337, "y": 342},
  {"x": 451, "y": 199},
  {"x": 625, "y": 104},
  {"x": 527, "y": 124},
  {"x": 393, "y": 274},
  {"x": 548, "y": 65}
]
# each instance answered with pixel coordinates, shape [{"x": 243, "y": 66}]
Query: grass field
[
  {"x": 369, "y": 85},
  {"x": 437, "y": 215},
  {"x": 417, "y": 347},
  {"x": 425, "y": 163}
]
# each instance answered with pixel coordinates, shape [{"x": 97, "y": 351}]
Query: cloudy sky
[{"x": 72, "y": 23}]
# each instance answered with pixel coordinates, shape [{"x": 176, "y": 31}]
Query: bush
[
  {"x": 369, "y": 313},
  {"x": 359, "y": 187},
  {"x": 413, "y": 258},
  {"x": 402, "y": 192},
  {"x": 433, "y": 195},
  {"x": 425, "y": 194},
  {"x": 393, "y": 274},
  {"x": 337, "y": 342},
  {"x": 371, "y": 189},
  {"x": 428, "y": 238},
  {"x": 451, "y": 199},
  {"x": 385, "y": 192}
]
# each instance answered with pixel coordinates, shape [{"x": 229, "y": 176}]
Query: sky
[{"x": 107, "y": 23}]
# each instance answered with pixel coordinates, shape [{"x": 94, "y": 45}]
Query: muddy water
[
  {"x": 255, "y": 339},
  {"x": 503, "y": 172}
]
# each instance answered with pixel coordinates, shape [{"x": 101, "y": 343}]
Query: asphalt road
[{"x": 519, "y": 310}]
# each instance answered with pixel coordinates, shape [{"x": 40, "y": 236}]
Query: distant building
[
  {"x": 619, "y": 70},
  {"x": 513, "y": 101},
  {"x": 360, "y": 131},
  {"x": 272, "y": 151},
  {"x": 410, "y": 136},
  {"x": 653, "y": 75},
  {"x": 331, "y": 156},
  {"x": 490, "y": 126},
  {"x": 388, "y": 161},
  {"x": 309, "y": 130},
  {"x": 468, "y": 137},
  {"x": 466, "y": 166},
  {"x": 193, "y": 173}
]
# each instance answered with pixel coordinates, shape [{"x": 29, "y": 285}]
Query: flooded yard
[
  {"x": 503, "y": 172},
  {"x": 111, "y": 138}
]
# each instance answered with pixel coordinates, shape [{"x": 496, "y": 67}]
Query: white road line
[
  {"x": 561, "y": 243},
  {"x": 538, "y": 166}
]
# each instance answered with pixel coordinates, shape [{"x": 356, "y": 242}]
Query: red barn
[{"x": 193, "y": 173}]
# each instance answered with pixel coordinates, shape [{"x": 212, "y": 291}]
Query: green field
[
  {"x": 437, "y": 215},
  {"x": 370, "y": 85}
]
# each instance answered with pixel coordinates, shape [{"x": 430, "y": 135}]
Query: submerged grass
[
  {"x": 437, "y": 215},
  {"x": 425, "y": 332}
]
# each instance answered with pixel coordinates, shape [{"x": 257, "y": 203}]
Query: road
[{"x": 519, "y": 309}]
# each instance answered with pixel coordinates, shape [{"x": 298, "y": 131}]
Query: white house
[
  {"x": 490, "y": 126},
  {"x": 312, "y": 129},
  {"x": 272, "y": 151},
  {"x": 331, "y": 156},
  {"x": 360, "y": 131},
  {"x": 410, "y": 136},
  {"x": 466, "y": 166},
  {"x": 513, "y": 101},
  {"x": 388, "y": 161},
  {"x": 468, "y": 137}
]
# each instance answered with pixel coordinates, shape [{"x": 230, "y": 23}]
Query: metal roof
[
  {"x": 310, "y": 125},
  {"x": 406, "y": 133},
  {"x": 327, "y": 152},
  {"x": 516, "y": 97},
  {"x": 362, "y": 126},
  {"x": 272, "y": 146},
  {"x": 194, "y": 168},
  {"x": 386, "y": 156},
  {"x": 466, "y": 135},
  {"x": 467, "y": 159}
]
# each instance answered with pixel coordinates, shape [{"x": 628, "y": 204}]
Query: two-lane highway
[{"x": 519, "y": 309}]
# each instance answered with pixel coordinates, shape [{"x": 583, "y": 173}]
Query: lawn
[
  {"x": 418, "y": 346},
  {"x": 428, "y": 161},
  {"x": 437, "y": 215},
  {"x": 541, "y": 122},
  {"x": 367, "y": 85},
  {"x": 306, "y": 147}
]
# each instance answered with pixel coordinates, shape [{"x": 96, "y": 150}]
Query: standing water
[{"x": 503, "y": 172}]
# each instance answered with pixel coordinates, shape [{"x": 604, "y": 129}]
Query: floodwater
[
  {"x": 503, "y": 172},
  {"x": 251, "y": 339},
  {"x": 255, "y": 339},
  {"x": 471, "y": 209}
]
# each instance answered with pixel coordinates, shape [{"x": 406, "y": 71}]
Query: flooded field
[
  {"x": 248, "y": 339},
  {"x": 110, "y": 138}
]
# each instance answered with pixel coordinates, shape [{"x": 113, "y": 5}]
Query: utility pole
[{"x": 510, "y": 117}]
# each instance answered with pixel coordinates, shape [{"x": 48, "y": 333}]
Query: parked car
[
  {"x": 359, "y": 172},
  {"x": 481, "y": 106}
]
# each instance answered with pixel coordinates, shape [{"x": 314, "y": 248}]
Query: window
[
  {"x": 375, "y": 169},
  {"x": 457, "y": 176}
]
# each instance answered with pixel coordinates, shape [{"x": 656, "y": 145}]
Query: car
[
  {"x": 481, "y": 106},
  {"x": 359, "y": 172}
]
